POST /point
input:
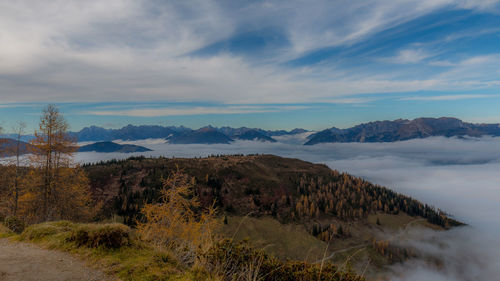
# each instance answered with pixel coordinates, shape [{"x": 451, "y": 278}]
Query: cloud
[
  {"x": 449, "y": 97},
  {"x": 197, "y": 110},
  {"x": 70, "y": 51},
  {"x": 410, "y": 56},
  {"x": 466, "y": 254}
]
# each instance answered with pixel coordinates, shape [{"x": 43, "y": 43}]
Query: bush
[
  {"x": 110, "y": 236},
  {"x": 15, "y": 224}
]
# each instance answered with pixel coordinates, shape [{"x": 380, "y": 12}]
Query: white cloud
[
  {"x": 74, "y": 51},
  {"x": 450, "y": 97},
  {"x": 197, "y": 110},
  {"x": 410, "y": 56}
]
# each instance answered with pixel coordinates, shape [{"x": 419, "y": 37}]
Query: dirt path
[{"x": 26, "y": 262}]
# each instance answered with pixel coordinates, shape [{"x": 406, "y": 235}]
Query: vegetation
[
  {"x": 130, "y": 260},
  {"x": 13, "y": 172},
  {"x": 115, "y": 249},
  {"x": 240, "y": 261},
  {"x": 111, "y": 236},
  {"x": 14, "y": 224},
  {"x": 50, "y": 186},
  {"x": 173, "y": 223},
  {"x": 289, "y": 190},
  {"x": 349, "y": 198}
]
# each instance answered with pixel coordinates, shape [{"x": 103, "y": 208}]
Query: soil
[{"x": 27, "y": 262}]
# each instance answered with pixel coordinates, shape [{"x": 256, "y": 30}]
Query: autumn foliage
[{"x": 176, "y": 221}]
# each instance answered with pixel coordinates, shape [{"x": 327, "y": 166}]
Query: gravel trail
[{"x": 27, "y": 262}]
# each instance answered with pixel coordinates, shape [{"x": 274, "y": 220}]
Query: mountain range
[
  {"x": 181, "y": 135},
  {"x": 403, "y": 129},
  {"x": 378, "y": 131}
]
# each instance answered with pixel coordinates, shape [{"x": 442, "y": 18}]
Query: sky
[{"x": 269, "y": 64}]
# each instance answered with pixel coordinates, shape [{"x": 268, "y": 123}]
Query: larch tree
[
  {"x": 174, "y": 223},
  {"x": 60, "y": 189}
]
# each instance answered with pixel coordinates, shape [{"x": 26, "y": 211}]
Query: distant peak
[{"x": 208, "y": 128}]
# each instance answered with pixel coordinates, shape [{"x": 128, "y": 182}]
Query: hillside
[
  {"x": 402, "y": 129},
  {"x": 288, "y": 189},
  {"x": 298, "y": 199},
  {"x": 255, "y": 135},
  {"x": 108, "y": 147}
]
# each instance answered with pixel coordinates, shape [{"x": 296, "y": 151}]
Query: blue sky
[{"x": 269, "y": 64}]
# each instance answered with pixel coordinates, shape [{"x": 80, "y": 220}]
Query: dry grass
[
  {"x": 393, "y": 222},
  {"x": 290, "y": 241}
]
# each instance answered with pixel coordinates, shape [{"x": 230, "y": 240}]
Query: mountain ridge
[
  {"x": 404, "y": 129},
  {"x": 181, "y": 134}
]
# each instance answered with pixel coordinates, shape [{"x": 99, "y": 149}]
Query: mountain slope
[
  {"x": 287, "y": 189},
  {"x": 255, "y": 135},
  {"x": 8, "y": 147},
  {"x": 206, "y": 135},
  {"x": 398, "y": 130},
  {"x": 108, "y": 147},
  {"x": 128, "y": 132}
]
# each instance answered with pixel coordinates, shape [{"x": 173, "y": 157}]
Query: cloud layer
[{"x": 73, "y": 51}]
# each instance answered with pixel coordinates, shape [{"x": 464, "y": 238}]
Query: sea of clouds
[{"x": 460, "y": 176}]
